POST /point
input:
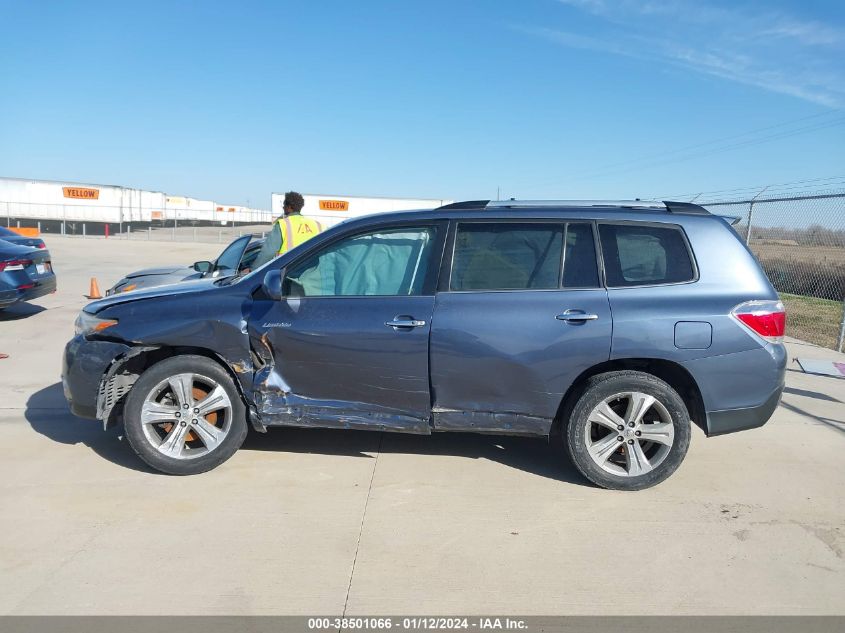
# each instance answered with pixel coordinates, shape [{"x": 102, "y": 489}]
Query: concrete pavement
[{"x": 331, "y": 522}]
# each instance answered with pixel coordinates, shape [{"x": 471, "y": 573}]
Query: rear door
[
  {"x": 347, "y": 346},
  {"x": 520, "y": 314}
]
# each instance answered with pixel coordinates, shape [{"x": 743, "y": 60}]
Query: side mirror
[
  {"x": 273, "y": 284},
  {"x": 203, "y": 267}
]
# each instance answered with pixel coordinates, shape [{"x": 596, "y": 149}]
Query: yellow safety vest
[{"x": 296, "y": 230}]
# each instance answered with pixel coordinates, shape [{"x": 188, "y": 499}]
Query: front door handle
[
  {"x": 399, "y": 322},
  {"x": 576, "y": 316}
]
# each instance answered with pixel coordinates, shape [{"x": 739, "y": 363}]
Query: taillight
[
  {"x": 40, "y": 244},
  {"x": 767, "y": 319},
  {"x": 15, "y": 264}
]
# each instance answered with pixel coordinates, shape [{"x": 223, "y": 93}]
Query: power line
[
  {"x": 719, "y": 150},
  {"x": 664, "y": 156},
  {"x": 783, "y": 186}
]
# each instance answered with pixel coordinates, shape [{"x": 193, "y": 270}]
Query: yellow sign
[
  {"x": 334, "y": 205},
  {"x": 81, "y": 192}
]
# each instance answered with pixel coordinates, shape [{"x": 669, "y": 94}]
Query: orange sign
[
  {"x": 81, "y": 192},
  {"x": 334, "y": 205}
]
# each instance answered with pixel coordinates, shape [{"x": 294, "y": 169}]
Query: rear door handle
[
  {"x": 404, "y": 323},
  {"x": 576, "y": 316}
]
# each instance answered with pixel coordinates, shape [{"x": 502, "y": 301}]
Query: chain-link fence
[{"x": 800, "y": 242}]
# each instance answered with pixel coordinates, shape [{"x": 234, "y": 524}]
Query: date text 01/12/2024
[{"x": 418, "y": 623}]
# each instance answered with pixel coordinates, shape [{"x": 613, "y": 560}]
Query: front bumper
[{"x": 83, "y": 366}]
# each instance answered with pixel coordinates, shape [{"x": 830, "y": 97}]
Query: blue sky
[{"x": 454, "y": 99}]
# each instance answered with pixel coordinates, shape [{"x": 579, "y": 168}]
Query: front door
[
  {"x": 347, "y": 346},
  {"x": 523, "y": 314}
]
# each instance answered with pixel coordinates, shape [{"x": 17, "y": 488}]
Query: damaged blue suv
[{"x": 614, "y": 325}]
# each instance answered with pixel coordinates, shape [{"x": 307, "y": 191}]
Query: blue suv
[{"x": 612, "y": 325}]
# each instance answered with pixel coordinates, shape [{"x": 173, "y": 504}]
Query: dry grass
[
  {"x": 830, "y": 255},
  {"x": 812, "y": 320}
]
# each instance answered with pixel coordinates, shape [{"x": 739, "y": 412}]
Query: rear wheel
[
  {"x": 184, "y": 416},
  {"x": 628, "y": 430}
]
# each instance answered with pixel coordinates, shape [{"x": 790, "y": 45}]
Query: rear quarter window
[{"x": 645, "y": 255}]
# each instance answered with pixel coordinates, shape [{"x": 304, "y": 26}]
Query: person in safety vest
[{"x": 289, "y": 230}]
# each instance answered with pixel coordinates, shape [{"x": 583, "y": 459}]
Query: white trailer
[
  {"x": 331, "y": 209},
  {"x": 61, "y": 201}
]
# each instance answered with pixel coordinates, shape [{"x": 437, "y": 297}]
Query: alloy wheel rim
[
  {"x": 186, "y": 416},
  {"x": 629, "y": 434}
]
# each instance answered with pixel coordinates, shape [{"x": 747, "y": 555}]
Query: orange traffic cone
[{"x": 94, "y": 291}]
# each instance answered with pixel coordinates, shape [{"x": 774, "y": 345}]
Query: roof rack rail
[
  {"x": 466, "y": 204},
  {"x": 685, "y": 208},
  {"x": 632, "y": 204}
]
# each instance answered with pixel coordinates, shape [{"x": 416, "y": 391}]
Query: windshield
[{"x": 230, "y": 258}]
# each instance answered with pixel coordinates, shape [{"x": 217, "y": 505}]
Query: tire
[
  {"x": 652, "y": 442},
  {"x": 185, "y": 440}
]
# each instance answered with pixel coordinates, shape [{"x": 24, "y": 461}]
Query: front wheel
[
  {"x": 628, "y": 430},
  {"x": 184, "y": 416}
]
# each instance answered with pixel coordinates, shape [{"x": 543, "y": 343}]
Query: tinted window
[
  {"x": 385, "y": 263},
  {"x": 507, "y": 256},
  {"x": 231, "y": 256},
  {"x": 636, "y": 255},
  {"x": 579, "y": 259},
  {"x": 249, "y": 257},
  {"x": 6, "y": 232}
]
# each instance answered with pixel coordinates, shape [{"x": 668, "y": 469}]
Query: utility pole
[{"x": 751, "y": 214}]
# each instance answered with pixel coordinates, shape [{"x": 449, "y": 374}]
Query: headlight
[{"x": 89, "y": 324}]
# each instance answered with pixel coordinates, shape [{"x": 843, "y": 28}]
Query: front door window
[{"x": 383, "y": 263}]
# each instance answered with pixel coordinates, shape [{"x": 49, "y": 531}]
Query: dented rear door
[{"x": 521, "y": 315}]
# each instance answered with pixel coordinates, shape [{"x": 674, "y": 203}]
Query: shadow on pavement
[
  {"x": 19, "y": 311},
  {"x": 810, "y": 394},
  {"x": 533, "y": 455},
  {"x": 48, "y": 414},
  {"x": 832, "y": 423}
]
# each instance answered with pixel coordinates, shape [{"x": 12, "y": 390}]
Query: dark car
[
  {"x": 25, "y": 273},
  {"x": 235, "y": 259},
  {"x": 8, "y": 235},
  {"x": 611, "y": 325}
]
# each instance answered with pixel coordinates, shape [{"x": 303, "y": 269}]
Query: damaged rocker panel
[
  {"x": 279, "y": 409},
  {"x": 490, "y": 422}
]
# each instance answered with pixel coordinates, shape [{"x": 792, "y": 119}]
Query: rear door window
[
  {"x": 507, "y": 256},
  {"x": 645, "y": 255}
]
